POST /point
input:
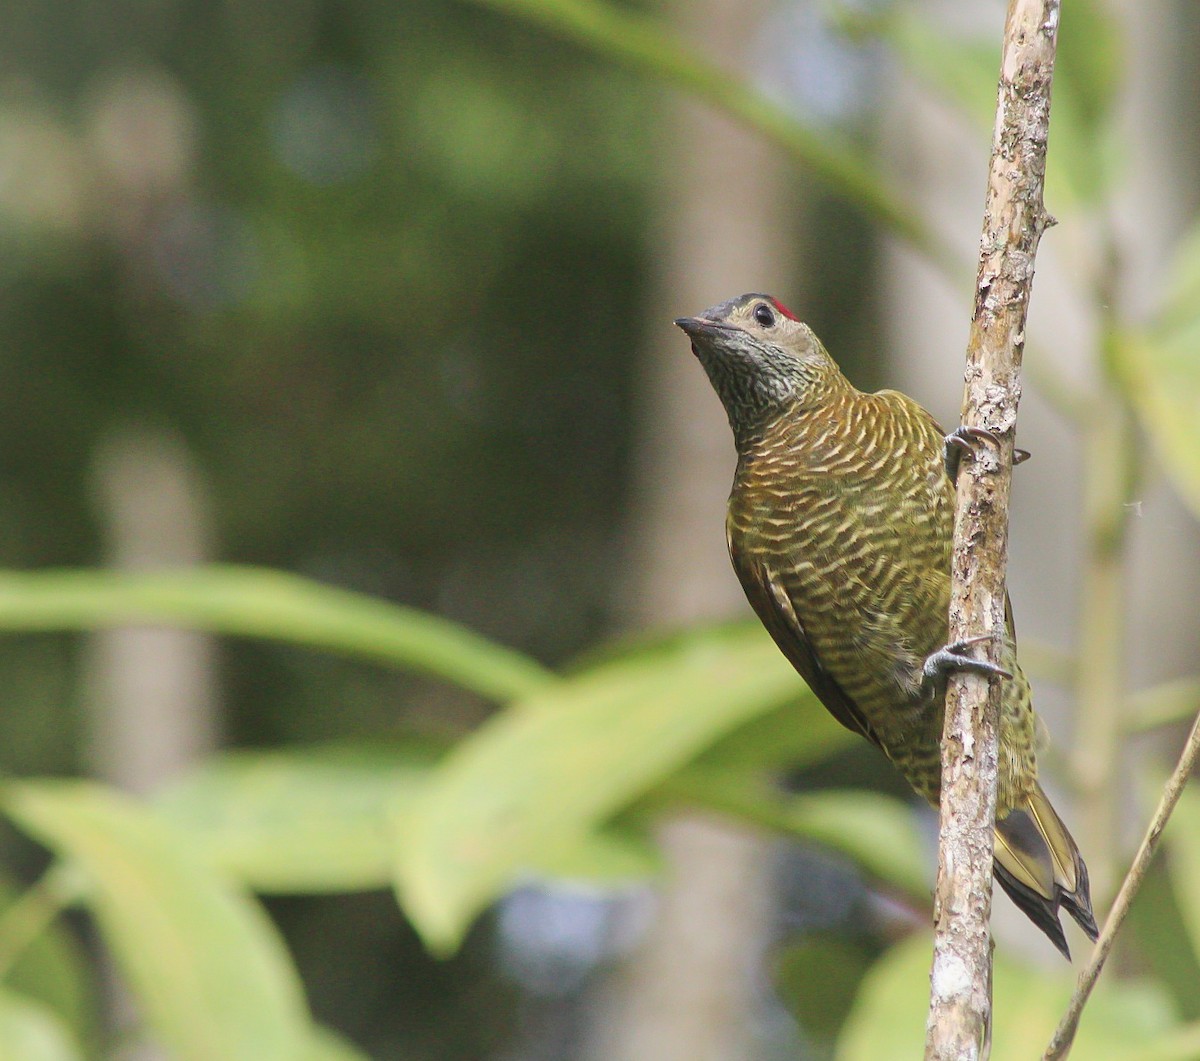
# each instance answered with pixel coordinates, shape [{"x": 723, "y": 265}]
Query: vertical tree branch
[{"x": 1014, "y": 219}]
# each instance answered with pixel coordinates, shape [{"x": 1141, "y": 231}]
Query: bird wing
[{"x": 774, "y": 608}]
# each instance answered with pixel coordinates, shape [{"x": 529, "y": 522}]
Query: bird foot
[
  {"x": 962, "y": 442},
  {"x": 954, "y": 657}
]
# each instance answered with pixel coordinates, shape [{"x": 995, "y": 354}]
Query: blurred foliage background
[{"x": 363, "y": 521}]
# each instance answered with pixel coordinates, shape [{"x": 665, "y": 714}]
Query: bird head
[{"x": 762, "y": 361}]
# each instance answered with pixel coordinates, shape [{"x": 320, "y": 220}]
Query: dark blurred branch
[{"x": 1014, "y": 218}]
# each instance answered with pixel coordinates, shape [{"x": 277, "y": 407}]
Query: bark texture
[{"x": 1014, "y": 219}]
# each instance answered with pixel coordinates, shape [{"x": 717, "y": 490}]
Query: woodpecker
[{"x": 840, "y": 527}]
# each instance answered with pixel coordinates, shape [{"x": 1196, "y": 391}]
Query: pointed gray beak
[{"x": 697, "y": 326}]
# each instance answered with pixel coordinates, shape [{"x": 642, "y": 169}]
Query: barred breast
[{"x": 849, "y": 509}]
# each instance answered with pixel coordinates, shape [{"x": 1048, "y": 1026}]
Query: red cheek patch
[{"x": 784, "y": 310}]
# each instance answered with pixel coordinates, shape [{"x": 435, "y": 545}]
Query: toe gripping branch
[
  {"x": 962, "y": 442},
  {"x": 953, "y": 656}
]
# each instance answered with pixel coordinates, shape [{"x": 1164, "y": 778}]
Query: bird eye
[{"x": 764, "y": 315}]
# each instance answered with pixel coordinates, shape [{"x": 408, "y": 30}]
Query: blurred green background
[{"x": 379, "y": 296}]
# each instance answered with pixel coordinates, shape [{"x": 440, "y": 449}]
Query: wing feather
[{"x": 775, "y": 610}]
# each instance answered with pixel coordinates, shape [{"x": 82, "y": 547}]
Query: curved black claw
[
  {"x": 954, "y": 657},
  {"x": 962, "y": 441}
]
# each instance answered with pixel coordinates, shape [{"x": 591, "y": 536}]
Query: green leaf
[
  {"x": 880, "y": 833},
  {"x": 30, "y": 1031},
  {"x": 52, "y": 969},
  {"x": 1046, "y": 663},
  {"x": 324, "y": 819},
  {"x": 610, "y": 857},
  {"x": 207, "y": 966},
  {"x": 775, "y": 742},
  {"x": 327, "y": 1045},
  {"x": 258, "y": 602},
  {"x": 300, "y": 821},
  {"x": 1162, "y": 372},
  {"x": 538, "y": 776},
  {"x": 766, "y": 743},
  {"x": 1124, "y": 1019}
]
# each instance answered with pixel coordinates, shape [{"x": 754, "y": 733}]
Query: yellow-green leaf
[
  {"x": 540, "y": 775},
  {"x": 301, "y": 820},
  {"x": 258, "y": 602},
  {"x": 29, "y": 1031},
  {"x": 206, "y": 965},
  {"x": 818, "y": 979},
  {"x": 606, "y": 858},
  {"x": 52, "y": 970},
  {"x": 327, "y": 1045},
  {"x": 879, "y": 832},
  {"x": 323, "y": 819}
]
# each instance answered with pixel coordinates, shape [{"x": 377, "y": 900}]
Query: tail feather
[{"x": 1040, "y": 867}]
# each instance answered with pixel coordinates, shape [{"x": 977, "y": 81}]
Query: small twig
[
  {"x": 1064, "y": 1036},
  {"x": 959, "y": 1022}
]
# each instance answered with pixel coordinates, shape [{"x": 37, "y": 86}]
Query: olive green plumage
[{"x": 840, "y": 529}]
